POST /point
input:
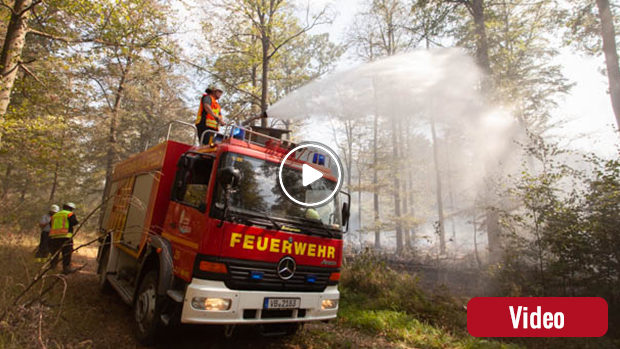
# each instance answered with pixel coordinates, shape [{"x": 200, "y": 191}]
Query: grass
[
  {"x": 398, "y": 326},
  {"x": 380, "y": 301}
]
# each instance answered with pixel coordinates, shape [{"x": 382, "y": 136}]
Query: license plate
[{"x": 282, "y": 303}]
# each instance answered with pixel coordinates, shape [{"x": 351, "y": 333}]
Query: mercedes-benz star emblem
[{"x": 286, "y": 268}]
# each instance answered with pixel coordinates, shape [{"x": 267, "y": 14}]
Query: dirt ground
[{"x": 86, "y": 318}]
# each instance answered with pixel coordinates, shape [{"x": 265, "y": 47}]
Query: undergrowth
[{"x": 379, "y": 300}]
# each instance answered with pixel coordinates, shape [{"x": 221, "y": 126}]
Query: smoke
[
  {"x": 405, "y": 83},
  {"x": 412, "y": 90}
]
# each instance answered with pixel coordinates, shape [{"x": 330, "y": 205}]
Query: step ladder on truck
[{"x": 202, "y": 234}]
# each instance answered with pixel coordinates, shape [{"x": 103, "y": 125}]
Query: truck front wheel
[{"x": 147, "y": 309}]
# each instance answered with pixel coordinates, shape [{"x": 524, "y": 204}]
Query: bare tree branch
[
  {"x": 7, "y": 6},
  {"x": 25, "y": 68},
  {"x": 71, "y": 40},
  {"x": 308, "y": 27},
  {"x": 34, "y": 3}
]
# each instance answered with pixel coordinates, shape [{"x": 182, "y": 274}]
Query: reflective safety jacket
[
  {"x": 60, "y": 225},
  {"x": 207, "y": 119}
]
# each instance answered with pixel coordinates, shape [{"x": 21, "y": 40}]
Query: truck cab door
[{"x": 186, "y": 221}]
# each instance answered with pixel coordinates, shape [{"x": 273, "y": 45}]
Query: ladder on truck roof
[
  {"x": 265, "y": 137},
  {"x": 158, "y": 134}
]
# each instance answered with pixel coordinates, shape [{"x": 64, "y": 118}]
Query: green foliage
[
  {"x": 380, "y": 300},
  {"x": 521, "y": 54},
  {"x": 369, "y": 281},
  {"x": 582, "y": 26},
  {"x": 564, "y": 240},
  {"x": 86, "y": 62},
  {"x": 247, "y": 37}
]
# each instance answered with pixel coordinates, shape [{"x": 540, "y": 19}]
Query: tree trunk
[
  {"x": 406, "y": 189},
  {"x": 56, "y": 168},
  {"x": 482, "y": 58},
  {"x": 410, "y": 152},
  {"x": 474, "y": 223},
  {"x": 375, "y": 191},
  {"x": 449, "y": 177},
  {"x": 611, "y": 55},
  {"x": 405, "y": 210},
  {"x": 359, "y": 198},
  {"x": 440, "y": 219},
  {"x": 255, "y": 107},
  {"x": 348, "y": 128},
  {"x": 411, "y": 211},
  {"x": 111, "y": 154},
  {"x": 396, "y": 194},
  {"x": 6, "y": 183},
  {"x": 492, "y": 223},
  {"x": 22, "y": 195},
  {"x": 14, "y": 41},
  {"x": 264, "y": 79},
  {"x": 482, "y": 44},
  {"x": 54, "y": 181}
]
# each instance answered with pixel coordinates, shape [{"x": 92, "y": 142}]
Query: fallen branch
[{"x": 40, "y": 330}]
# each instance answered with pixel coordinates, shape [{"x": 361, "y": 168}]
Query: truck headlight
[
  {"x": 327, "y": 304},
  {"x": 211, "y": 304}
]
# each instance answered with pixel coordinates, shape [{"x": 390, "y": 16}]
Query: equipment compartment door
[{"x": 138, "y": 209}]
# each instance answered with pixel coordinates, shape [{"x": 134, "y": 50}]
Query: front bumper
[{"x": 247, "y": 306}]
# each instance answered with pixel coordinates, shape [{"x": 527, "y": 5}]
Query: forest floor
[
  {"x": 85, "y": 318},
  {"x": 76, "y": 315}
]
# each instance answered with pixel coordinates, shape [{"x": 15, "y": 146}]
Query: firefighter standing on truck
[
  {"x": 61, "y": 236},
  {"x": 209, "y": 114}
]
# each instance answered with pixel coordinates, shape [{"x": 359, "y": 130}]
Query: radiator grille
[{"x": 239, "y": 278}]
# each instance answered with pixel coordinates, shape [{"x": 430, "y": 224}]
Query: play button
[{"x": 310, "y": 174}]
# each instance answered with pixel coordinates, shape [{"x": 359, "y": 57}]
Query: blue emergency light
[
  {"x": 318, "y": 159},
  {"x": 237, "y": 133},
  {"x": 256, "y": 275}
]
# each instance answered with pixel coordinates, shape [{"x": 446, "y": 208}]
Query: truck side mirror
[
  {"x": 229, "y": 176},
  {"x": 229, "y": 179},
  {"x": 345, "y": 214}
]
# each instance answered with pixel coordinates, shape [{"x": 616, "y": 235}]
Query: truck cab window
[{"x": 192, "y": 182}]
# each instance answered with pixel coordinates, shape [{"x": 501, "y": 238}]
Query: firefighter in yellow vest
[
  {"x": 61, "y": 236},
  {"x": 209, "y": 114},
  {"x": 44, "y": 223}
]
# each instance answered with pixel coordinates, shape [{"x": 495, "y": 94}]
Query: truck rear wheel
[
  {"x": 102, "y": 270},
  {"x": 147, "y": 309}
]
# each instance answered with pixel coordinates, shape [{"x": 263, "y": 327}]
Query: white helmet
[
  {"x": 54, "y": 208},
  {"x": 70, "y": 204}
]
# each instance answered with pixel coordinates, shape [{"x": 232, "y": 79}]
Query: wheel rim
[{"x": 145, "y": 306}]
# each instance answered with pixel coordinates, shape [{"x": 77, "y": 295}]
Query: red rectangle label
[{"x": 537, "y": 317}]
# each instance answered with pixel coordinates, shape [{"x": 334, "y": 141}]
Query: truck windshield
[{"x": 259, "y": 192}]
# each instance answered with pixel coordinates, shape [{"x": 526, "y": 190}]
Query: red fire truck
[{"x": 205, "y": 235}]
